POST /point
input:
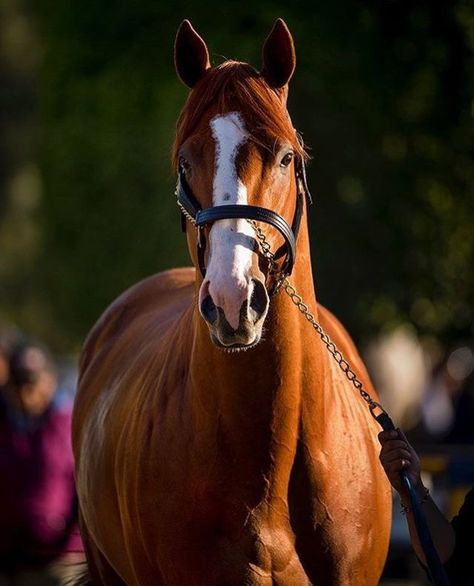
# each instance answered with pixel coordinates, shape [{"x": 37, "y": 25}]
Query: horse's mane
[{"x": 236, "y": 86}]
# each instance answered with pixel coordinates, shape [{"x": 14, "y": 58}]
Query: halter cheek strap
[{"x": 191, "y": 210}]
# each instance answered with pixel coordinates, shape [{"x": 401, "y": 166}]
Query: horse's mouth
[
  {"x": 247, "y": 334},
  {"x": 230, "y": 346}
]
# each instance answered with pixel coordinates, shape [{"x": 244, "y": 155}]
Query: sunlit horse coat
[{"x": 200, "y": 467}]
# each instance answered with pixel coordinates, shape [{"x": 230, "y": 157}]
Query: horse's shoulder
[{"x": 160, "y": 297}]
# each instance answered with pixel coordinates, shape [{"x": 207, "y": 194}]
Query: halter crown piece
[{"x": 191, "y": 210}]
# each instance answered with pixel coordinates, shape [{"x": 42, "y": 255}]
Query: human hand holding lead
[{"x": 397, "y": 455}]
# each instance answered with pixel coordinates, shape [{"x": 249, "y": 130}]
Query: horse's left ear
[
  {"x": 279, "y": 58},
  {"x": 191, "y": 56}
]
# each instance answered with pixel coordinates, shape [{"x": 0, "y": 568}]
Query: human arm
[{"x": 397, "y": 455}]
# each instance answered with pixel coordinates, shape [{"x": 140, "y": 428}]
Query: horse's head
[{"x": 236, "y": 146}]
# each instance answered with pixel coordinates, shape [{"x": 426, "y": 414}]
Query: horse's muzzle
[{"x": 251, "y": 317}]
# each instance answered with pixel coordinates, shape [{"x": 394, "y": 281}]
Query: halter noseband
[{"x": 191, "y": 210}]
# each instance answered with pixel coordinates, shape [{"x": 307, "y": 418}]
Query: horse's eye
[
  {"x": 287, "y": 159},
  {"x": 184, "y": 165}
]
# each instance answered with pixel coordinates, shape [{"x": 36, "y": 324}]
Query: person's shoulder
[
  {"x": 469, "y": 501},
  {"x": 57, "y": 427},
  {"x": 459, "y": 565},
  {"x": 466, "y": 512}
]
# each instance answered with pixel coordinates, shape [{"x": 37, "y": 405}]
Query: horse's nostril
[
  {"x": 209, "y": 310},
  {"x": 258, "y": 300}
]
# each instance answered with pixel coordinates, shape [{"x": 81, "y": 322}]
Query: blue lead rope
[{"x": 436, "y": 569}]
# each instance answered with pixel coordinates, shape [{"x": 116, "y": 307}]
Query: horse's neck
[
  {"x": 284, "y": 341},
  {"x": 253, "y": 399}
]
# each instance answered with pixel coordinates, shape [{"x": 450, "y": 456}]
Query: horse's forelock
[{"x": 236, "y": 86}]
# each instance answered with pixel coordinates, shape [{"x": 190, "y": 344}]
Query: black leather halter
[{"x": 192, "y": 210}]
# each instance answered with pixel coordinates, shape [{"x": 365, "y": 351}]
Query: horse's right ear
[{"x": 191, "y": 57}]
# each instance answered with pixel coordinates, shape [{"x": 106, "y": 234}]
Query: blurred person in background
[
  {"x": 38, "y": 506},
  {"x": 453, "y": 540},
  {"x": 447, "y": 409},
  {"x": 461, "y": 367},
  {"x": 4, "y": 368},
  {"x": 9, "y": 337},
  {"x": 397, "y": 363}
]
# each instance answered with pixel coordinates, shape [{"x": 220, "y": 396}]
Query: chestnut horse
[{"x": 217, "y": 442}]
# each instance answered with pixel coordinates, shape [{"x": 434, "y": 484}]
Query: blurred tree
[
  {"x": 20, "y": 185},
  {"x": 382, "y": 93},
  {"x": 389, "y": 88}
]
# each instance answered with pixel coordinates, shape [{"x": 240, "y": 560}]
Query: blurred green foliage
[{"x": 383, "y": 94}]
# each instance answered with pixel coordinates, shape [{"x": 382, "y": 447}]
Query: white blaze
[{"x": 230, "y": 240}]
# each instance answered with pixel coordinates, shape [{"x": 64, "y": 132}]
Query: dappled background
[{"x": 382, "y": 95}]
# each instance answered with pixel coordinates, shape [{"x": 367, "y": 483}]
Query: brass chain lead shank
[
  {"x": 283, "y": 282},
  {"x": 292, "y": 293}
]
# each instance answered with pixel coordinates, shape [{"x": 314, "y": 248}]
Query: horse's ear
[
  {"x": 191, "y": 57},
  {"x": 279, "y": 58}
]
